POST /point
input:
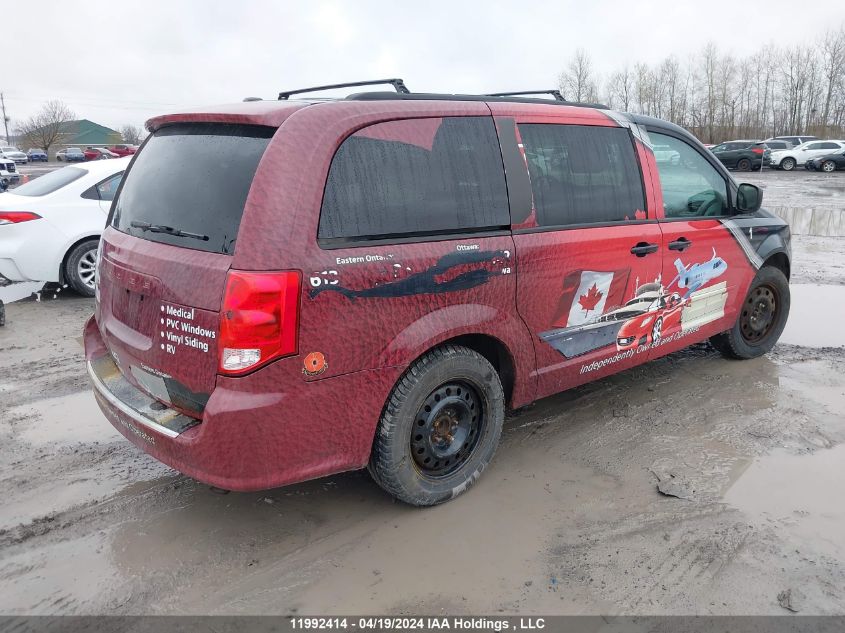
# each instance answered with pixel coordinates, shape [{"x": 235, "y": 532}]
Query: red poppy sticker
[{"x": 314, "y": 364}]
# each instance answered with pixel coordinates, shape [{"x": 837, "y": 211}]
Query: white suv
[{"x": 790, "y": 158}]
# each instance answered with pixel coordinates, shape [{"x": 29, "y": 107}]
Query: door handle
[
  {"x": 643, "y": 248},
  {"x": 680, "y": 244}
]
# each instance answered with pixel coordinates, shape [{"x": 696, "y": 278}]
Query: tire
[
  {"x": 79, "y": 268},
  {"x": 743, "y": 165},
  {"x": 412, "y": 450},
  {"x": 757, "y": 328},
  {"x": 787, "y": 164},
  {"x": 828, "y": 166}
]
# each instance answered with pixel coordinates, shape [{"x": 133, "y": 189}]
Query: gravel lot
[{"x": 569, "y": 518}]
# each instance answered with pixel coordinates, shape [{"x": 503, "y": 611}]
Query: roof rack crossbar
[
  {"x": 555, "y": 93},
  {"x": 397, "y": 83}
]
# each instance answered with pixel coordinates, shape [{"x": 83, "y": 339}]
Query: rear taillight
[
  {"x": 758, "y": 150},
  {"x": 16, "y": 217},
  {"x": 259, "y": 319}
]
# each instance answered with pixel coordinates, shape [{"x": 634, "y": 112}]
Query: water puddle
[
  {"x": 813, "y": 316},
  {"x": 65, "y": 420},
  {"x": 804, "y": 493}
]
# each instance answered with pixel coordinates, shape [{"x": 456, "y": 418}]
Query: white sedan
[
  {"x": 789, "y": 159},
  {"x": 51, "y": 226}
]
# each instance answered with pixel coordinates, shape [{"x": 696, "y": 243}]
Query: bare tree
[
  {"x": 45, "y": 128},
  {"x": 719, "y": 96},
  {"x": 577, "y": 82},
  {"x": 833, "y": 68},
  {"x": 131, "y": 134},
  {"x": 621, "y": 88}
]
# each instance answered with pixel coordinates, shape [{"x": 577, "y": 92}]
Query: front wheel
[
  {"x": 81, "y": 268},
  {"x": 828, "y": 166},
  {"x": 787, "y": 164},
  {"x": 440, "y": 427},
  {"x": 761, "y": 319}
]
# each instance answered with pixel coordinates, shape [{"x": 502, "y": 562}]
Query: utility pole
[{"x": 5, "y": 118}]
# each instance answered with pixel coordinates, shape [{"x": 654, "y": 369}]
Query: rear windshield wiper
[{"x": 161, "y": 228}]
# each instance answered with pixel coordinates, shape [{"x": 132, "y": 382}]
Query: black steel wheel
[
  {"x": 761, "y": 319},
  {"x": 440, "y": 427},
  {"x": 759, "y": 313},
  {"x": 448, "y": 426}
]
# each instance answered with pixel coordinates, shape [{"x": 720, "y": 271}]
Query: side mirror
[{"x": 749, "y": 198}]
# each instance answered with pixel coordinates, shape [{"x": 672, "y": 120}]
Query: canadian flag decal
[{"x": 587, "y": 294}]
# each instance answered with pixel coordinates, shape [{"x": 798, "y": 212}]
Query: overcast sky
[{"x": 118, "y": 62}]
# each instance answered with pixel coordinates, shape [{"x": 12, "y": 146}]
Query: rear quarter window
[
  {"x": 416, "y": 177},
  {"x": 193, "y": 177}
]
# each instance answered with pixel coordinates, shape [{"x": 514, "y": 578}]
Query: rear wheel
[
  {"x": 80, "y": 268},
  {"x": 761, "y": 319},
  {"x": 440, "y": 428},
  {"x": 787, "y": 164},
  {"x": 828, "y": 166},
  {"x": 744, "y": 165}
]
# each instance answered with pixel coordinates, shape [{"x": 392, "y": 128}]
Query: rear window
[
  {"x": 417, "y": 176},
  {"x": 48, "y": 183},
  {"x": 193, "y": 178}
]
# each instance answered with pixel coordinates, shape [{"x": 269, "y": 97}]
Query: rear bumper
[{"x": 268, "y": 429}]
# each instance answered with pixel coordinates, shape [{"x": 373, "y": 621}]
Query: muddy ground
[{"x": 569, "y": 519}]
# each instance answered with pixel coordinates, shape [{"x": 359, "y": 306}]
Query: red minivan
[{"x": 294, "y": 288}]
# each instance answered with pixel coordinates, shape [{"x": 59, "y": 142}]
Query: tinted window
[
  {"x": 584, "y": 174},
  {"x": 108, "y": 188},
  {"x": 416, "y": 176},
  {"x": 829, "y": 145},
  {"x": 814, "y": 146},
  {"x": 48, "y": 183},
  {"x": 692, "y": 187},
  {"x": 194, "y": 177}
]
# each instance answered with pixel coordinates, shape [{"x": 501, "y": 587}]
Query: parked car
[
  {"x": 50, "y": 227},
  {"x": 98, "y": 153},
  {"x": 123, "y": 150},
  {"x": 775, "y": 144},
  {"x": 828, "y": 163},
  {"x": 796, "y": 140},
  {"x": 789, "y": 159},
  {"x": 380, "y": 298},
  {"x": 36, "y": 155},
  {"x": 15, "y": 154},
  {"x": 70, "y": 155},
  {"x": 742, "y": 155},
  {"x": 8, "y": 173},
  {"x": 665, "y": 154}
]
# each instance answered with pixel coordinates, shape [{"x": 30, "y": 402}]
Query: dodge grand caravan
[{"x": 293, "y": 288}]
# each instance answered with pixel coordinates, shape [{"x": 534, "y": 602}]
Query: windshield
[
  {"x": 9, "y": 149},
  {"x": 194, "y": 178},
  {"x": 51, "y": 182}
]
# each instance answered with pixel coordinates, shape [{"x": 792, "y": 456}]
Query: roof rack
[
  {"x": 555, "y": 93},
  {"x": 397, "y": 84},
  {"x": 428, "y": 96}
]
